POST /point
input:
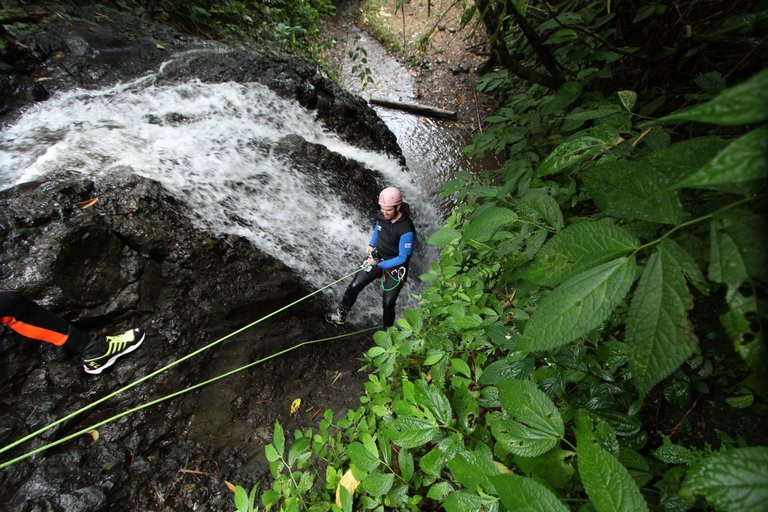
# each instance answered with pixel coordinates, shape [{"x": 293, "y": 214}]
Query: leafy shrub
[{"x": 567, "y": 291}]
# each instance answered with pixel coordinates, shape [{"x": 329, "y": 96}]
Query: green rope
[
  {"x": 384, "y": 275},
  {"x": 166, "y": 367},
  {"x": 173, "y": 395}
]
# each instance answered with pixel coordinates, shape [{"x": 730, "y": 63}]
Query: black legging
[
  {"x": 33, "y": 321},
  {"x": 391, "y": 290}
]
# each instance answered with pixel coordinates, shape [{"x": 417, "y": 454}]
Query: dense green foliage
[
  {"x": 290, "y": 24},
  {"x": 614, "y": 266}
]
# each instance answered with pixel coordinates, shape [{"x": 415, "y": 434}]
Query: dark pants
[
  {"x": 33, "y": 321},
  {"x": 391, "y": 289}
]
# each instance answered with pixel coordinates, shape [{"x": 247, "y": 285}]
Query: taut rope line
[
  {"x": 164, "y": 368},
  {"x": 172, "y": 395}
]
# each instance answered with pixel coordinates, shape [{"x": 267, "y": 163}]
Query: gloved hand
[{"x": 369, "y": 263}]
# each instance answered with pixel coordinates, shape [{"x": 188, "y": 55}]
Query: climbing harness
[
  {"x": 397, "y": 274},
  {"x": 164, "y": 368}
]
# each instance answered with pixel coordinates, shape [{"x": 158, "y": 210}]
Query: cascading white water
[{"x": 203, "y": 141}]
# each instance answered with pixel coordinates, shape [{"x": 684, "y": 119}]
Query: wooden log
[{"x": 416, "y": 108}]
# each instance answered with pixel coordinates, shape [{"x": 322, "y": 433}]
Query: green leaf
[
  {"x": 726, "y": 262},
  {"x": 744, "y": 161},
  {"x": 471, "y": 469},
  {"x": 411, "y": 432},
  {"x": 578, "y": 305},
  {"x": 487, "y": 222},
  {"x": 734, "y": 480},
  {"x": 443, "y": 236},
  {"x": 362, "y": 458},
  {"x": 566, "y": 94},
  {"x": 241, "y": 499},
  {"x": 679, "y": 160},
  {"x": 539, "y": 204},
  {"x": 460, "y": 366},
  {"x": 744, "y": 103},
  {"x": 521, "y": 493},
  {"x": 554, "y": 467},
  {"x": 439, "y": 491},
  {"x": 427, "y": 395},
  {"x": 518, "y": 438},
  {"x": 271, "y": 454},
  {"x": 406, "y": 465},
  {"x": 674, "y": 454},
  {"x": 659, "y": 335},
  {"x": 741, "y": 401},
  {"x": 577, "y": 248},
  {"x": 628, "y": 99},
  {"x": 378, "y": 484},
  {"x": 530, "y": 424},
  {"x": 278, "y": 438},
  {"x": 632, "y": 190},
  {"x": 465, "y": 406},
  {"x": 572, "y": 152},
  {"x": 297, "y": 448},
  {"x": 608, "y": 483},
  {"x": 514, "y": 366},
  {"x": 269, "y": 497},
  {"x": 461, "y": 501},
  {"x": 375, "y": 351}
]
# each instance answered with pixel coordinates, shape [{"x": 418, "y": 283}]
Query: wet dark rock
[{"x": 134, "y": 258}]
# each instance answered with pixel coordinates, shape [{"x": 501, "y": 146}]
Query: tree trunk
[
  {"x": 415, "y": 108},
  {"x": 495, "y": 26}
]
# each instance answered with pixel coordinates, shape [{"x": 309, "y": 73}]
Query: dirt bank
[{"x": 442, "y": 56}]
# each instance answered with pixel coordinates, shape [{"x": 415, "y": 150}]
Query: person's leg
[
  {"x": 392, "y": 286},
  {"x": 33, "y": 321},
  {"x": 361, "y": 280}
]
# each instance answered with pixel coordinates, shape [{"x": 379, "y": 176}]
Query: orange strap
[{"x": 34, "y": 332}]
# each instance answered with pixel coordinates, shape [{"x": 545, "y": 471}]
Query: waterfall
[{"x": 203, "y": 142}]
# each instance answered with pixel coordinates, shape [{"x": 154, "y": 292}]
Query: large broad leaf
[
  {"x": 577, "y": 248},
  {"x": 659, "y": 334},
  {"x": 578, "y": 305},
  {"x": 735, "y": 480},
  {"x": 462, "y": 501},
  {"x": 747, "y": 232},
  {"x": 378, "y": 484},
  {"x": 743, "y": 162},
  {"x": 726, "y": 261},
  {"x": 531, "y": 422},
  {"x": 443, "y": 236},
  {"x": 555, "y": 468},
  {"x": 681, "y": 159},
  {"x": 487, "y": 222},
  {"x": 575, "y": 151},
  {"x": 518, "y": 438},
  {"x": 745, "y": 103},
  {"x": 521, "y": 493},
  {"x": 537, "y": 204},
  {"x": 471, "y": 469},
  {"x": 362, "y": 458},
  {"x": 429, "y": 396},
  {"x": 608, "y": 483},
  {"x": 632, "y": 190},
  {"x": 515, "y": 366},
  {"x": 411, "y": 432}
]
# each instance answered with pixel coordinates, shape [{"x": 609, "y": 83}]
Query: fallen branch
[{"x": 415, "y": 108}]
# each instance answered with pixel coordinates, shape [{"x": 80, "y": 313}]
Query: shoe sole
[{"x": 115, "y": 357}]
